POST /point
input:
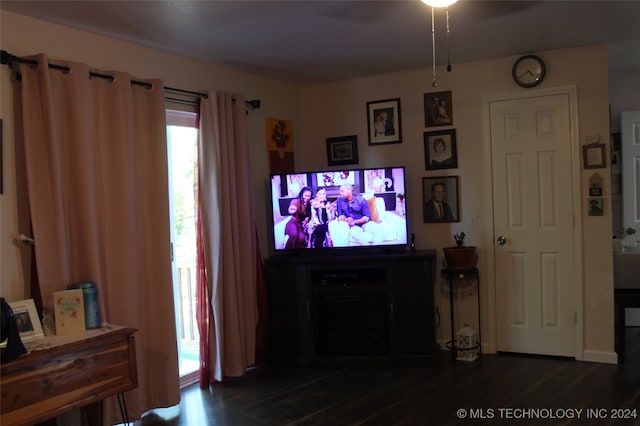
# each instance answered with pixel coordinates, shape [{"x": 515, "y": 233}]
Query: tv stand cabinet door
[
  {"x": 290, "y": 325},
  {"x": 413, "y": 323}
]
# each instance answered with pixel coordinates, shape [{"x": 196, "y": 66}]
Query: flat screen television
[{"x": 349, "y": 208}]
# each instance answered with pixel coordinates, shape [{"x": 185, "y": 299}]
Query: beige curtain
[
  {"x": 96, "y": 163},
  {"x": 228, "y": 234}
]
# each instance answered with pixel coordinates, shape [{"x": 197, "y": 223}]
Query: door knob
[{"x": 501, "y": 240}]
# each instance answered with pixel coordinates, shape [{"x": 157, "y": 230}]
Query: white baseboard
[{"x": 600, "y": 356}]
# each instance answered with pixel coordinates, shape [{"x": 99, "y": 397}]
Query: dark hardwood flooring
[{"x": 484, "y": 389}]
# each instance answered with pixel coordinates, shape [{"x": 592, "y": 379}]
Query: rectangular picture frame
[
  {"x": 27, "y": 320},
  {"x": 384, "y": 122},
  {"x": 594, "y": 156},
  {"x": 438, "y": 109},
  {"x": 440, "y": 189},
  {"x": 440, "y": 150},
  {"x": 342, "y": 150},
  {"x": 596, "y": 206}
]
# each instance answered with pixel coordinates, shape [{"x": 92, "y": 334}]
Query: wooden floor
[{"x": 496, "y": 389}]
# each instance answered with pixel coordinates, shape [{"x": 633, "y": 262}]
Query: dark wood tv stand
[{"x": 352, "y": 309}]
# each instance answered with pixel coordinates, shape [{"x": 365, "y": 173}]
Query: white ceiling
[{"x": 305, "y": 42}]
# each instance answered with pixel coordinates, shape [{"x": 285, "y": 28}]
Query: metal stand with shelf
[{"x": 453, "y": 275}]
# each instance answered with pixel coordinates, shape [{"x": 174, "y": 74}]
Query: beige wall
[
  {"x": 339, "y": 108},
  {"x": 23, "y": 36}
]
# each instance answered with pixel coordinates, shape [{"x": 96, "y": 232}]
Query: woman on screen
[{"x": 300, "y": 210}]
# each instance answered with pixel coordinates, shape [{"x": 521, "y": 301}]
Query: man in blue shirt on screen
[{"x": 353, "y": 209}]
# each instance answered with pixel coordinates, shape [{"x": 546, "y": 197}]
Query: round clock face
[{"x": 528, "y": 71}]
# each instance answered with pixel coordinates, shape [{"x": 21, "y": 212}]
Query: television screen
[{"x": 322, "y": 210}]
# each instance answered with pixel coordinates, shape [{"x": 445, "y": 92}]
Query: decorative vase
[{"x": 460, "y": 258}]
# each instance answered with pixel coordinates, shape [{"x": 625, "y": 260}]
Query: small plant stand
[{"x": 453, "y": 275}]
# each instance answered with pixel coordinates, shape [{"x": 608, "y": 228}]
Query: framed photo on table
[
  {"x": 383, "y": 120},
  {"x": 27, "y": 320}
]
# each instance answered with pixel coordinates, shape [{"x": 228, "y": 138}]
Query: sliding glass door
[{"x": 182, "y": 148}]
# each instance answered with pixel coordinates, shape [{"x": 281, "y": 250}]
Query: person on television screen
[
  {"x": 321, "y": 214},
  {"x": 300, "y": 211},
  {"x": 437, "y": 209},
  {"x": 353, "y": 210}
]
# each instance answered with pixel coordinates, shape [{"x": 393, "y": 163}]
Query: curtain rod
[{"x": 7, "y": 58}]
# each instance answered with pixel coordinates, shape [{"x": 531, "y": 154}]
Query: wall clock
[{"x": 528, "y": 71}]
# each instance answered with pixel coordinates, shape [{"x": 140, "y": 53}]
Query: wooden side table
[{"x": 62, "y": 373}]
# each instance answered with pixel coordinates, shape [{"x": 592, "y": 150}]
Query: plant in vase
[{"x": 460, "y": 257}]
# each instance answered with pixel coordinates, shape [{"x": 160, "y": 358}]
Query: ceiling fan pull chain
[
  {"x": 448, "y": 45},
  {"x": 434, "y": 83}
]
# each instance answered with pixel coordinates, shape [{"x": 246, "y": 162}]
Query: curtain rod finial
[{"x": 6, "y": 57}]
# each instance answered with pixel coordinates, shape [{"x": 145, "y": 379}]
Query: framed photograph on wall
[
  {"x": 438, "y": 109},
  {"x": 342, "y": 150},
  {"x": 594, "y": 156},
  {"x": 383, "y": 120},
  {"x": 596, "y": 207},
  {"x": 440, "y": 199},
  {"x": 440, "y": 151}
]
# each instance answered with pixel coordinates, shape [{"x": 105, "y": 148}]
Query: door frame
[{"x": 491, "y": 320}]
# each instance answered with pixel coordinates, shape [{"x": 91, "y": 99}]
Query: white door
[
  {"x": 533, "y": 222},
  {"x": 631, "y": 175}
]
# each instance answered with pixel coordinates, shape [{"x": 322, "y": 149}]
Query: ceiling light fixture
[{"x": 437, "y": 4}]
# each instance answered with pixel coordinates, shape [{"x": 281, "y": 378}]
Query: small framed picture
[
  {"x": 440, "y": 150},
  {"x": 596, "y": 207},
  {"x": 342, "y": 150},
  {"x": 593, "y": 156},
  {"x": 438, "y": 109},
  {"x": 441, "y": 199},
  {"x": 27, "y": 320},
  {"x": 595, "y": 192},
  {"x": 383, "y": 120}
]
